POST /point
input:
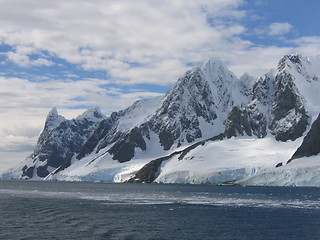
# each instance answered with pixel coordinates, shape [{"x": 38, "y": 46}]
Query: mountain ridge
[{"x": 206, "y": 101}]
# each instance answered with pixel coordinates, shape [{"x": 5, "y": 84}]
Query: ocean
[{"x": 81, "y": 210}]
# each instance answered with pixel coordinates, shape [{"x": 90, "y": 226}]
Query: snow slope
[
  {"x": 138, "y": 113},
  {"x": 214, "y": 162},
  {"x": 226, "y": 160},
  {"x": 300, "y": 172}
]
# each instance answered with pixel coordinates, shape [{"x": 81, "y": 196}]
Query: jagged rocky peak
[
  {"x": 308, "y": 67},
  {"x": 91, "y": 114},
  {"x": 221, "y": 80},
  {"x": 213, "y": 66},
  {"x": 210, "y": 71},
  {"x": 277, "y": 104},
  {"x": 53, "y": 112},
  {"x": 197, "y": 105},
  {"x": 288, "y": 60},
  {"x": 263, "y": 89},
  {"x": 53, "y": 119},
  {"x": 290, "y": 116},
  {"x": 213, "y": 71},
  {"x": 190, "y": 110},
  {"x": 59, "y": 140}
]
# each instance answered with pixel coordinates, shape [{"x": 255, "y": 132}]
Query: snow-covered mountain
[
  {"x": 209, "y": 127},
  {"x": 57, "y": 143},
  {"x": 278, "y": 105}
]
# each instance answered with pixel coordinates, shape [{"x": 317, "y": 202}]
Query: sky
[{"x": 76, "y": 54}]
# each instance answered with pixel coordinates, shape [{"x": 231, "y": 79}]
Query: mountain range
[{"x": 210, "y": 127}]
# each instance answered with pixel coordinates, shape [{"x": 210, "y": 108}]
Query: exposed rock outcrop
[
  {"x": 289, "y": 115},
  {"x": 245, "y": 121},
  {"x": 277, "y": 105},
  {"x": 123, "y": 150},
  {"x": 311, "y": 142}
]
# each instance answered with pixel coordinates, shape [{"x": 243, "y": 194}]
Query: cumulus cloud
[
  {"x": 279, "y": 28},
  {"x": 100, "y": 35},
  {"x": 17, "y": 94},
  {"x": 24, "y": 61}
]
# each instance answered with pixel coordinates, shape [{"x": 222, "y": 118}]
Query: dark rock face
[
  {"x": 101, "y": 132},
  {"x": 285, "y": 97},
  {"x": 258, "y": 122},
  {"x": 108, "y": 130},
  {"x": 148, "y": 173},
  {"x": 237, "y": 123},
  {"x": 123, "y": 150},
  {"x": 296, "y": 59},
  {"x": 166, "y": 139},
  {"x": 27, "y": 171},
  {"x": 289, "y": 116},
  {"x": 263, "y": 90},
  {"x": 108, "y": 133},
  {"x": 66, "y": 163},
  {"x": 311, "y": 142},
  {"x": 245, "y": 121},
  {"x": 42, "y": 171}
]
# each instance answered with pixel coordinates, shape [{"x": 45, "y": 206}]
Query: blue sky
[{"x": 77, "y": 53}]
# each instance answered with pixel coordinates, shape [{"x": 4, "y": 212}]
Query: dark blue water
[{"x": 63, "y": 210}]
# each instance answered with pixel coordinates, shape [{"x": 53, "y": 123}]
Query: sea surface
[{"x": 80, "y": 210}]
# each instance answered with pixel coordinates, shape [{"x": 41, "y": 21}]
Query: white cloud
[
  {"x": 279, "y": 28},
  {"x": 21, "y": 57},
  {"x": 275, "y": 29},
  {"x": 308, "y": 46},
  {"x": 24, "y": 61},
  {"x": 106, "y": 35}
]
